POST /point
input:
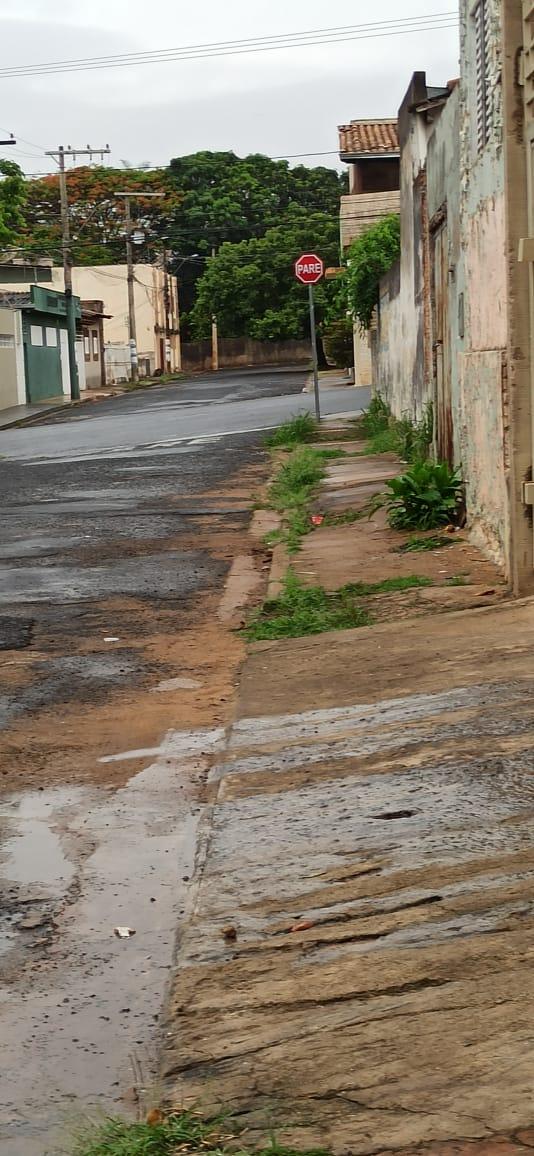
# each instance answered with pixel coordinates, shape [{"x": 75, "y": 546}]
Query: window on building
[
  {"x": 36, "y": 335},
  {"x": 51, "y": 336},
  {"x": 7, "y": 341},
  {"x": 481, "y": 18},
  {"x": 86, "y": 347},
  {"x": 96, "y": 350}
]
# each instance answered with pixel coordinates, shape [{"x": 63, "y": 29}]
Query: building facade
[
  {"x": 156, "y": 310},
  {"x": 371, "y": 151},
  {"x": 34, "y": 358},
  {"x": 474, "y": 359}
]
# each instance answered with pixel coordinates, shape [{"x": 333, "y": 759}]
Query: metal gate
[{"x": 42, "y": 363}]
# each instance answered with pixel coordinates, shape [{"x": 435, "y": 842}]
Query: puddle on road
[
  {"x": 84, "y": 1002},
  {"x": 33, "y": 854}
]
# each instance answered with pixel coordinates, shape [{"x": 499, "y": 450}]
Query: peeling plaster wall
[
  {"x": 482, "y": 278},
  {"x": 403, "y": 338},
  {"x": 443, "y": 168}
]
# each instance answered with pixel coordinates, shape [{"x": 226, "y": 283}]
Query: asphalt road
[
  {"x": 155, "y": 421},
  {"x": 118, "y": 525}
]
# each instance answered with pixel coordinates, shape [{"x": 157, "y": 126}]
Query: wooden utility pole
[
  {"x": 59, "y": 156},
  {"x": 127, "y": 197},
  {"x": 214, "y": 332}
]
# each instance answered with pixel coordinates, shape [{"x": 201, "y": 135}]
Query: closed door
[{"x": 42, "y": 362}]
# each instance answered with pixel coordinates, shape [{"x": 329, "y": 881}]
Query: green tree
[
  {"x": 12, "y": 201},
  {"x": 368, "y": 258},
  {"x": 251, "y": 288}
]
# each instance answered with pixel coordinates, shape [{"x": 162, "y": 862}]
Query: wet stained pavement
[
  {"x": 372, "y": 850},
  {"x": 114, "y": 672}
]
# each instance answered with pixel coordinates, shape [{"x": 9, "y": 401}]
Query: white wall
[{"x": 12, "y": 376}]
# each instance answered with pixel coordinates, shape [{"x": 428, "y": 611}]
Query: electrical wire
[{"x": 300, "y": 39}]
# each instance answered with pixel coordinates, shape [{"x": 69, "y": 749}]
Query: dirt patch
[
  {"x": 368, "y": 551},
  {"x": 59, "y": 721}
]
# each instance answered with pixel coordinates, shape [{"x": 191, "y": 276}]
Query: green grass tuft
[
  {"x": 301, "y": 610},
  {"x": 301, "y": 428},
  {"x": 416, "y": 545},
  {"x": 292, "y": 490},
  {"x": 185, "y": 1134},
  {"x": 388, "y": 585},
  {"x": 115, "y": 1137}
]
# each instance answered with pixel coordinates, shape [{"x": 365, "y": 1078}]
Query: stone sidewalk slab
[{"x": 356, "y": 971}]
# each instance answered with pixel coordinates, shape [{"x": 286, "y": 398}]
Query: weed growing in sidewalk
[
  {"x": 301, "y": 428},
  {"x": 167, "y": 1135},
  {"x": 387, "y": 434},
  {"x": 416, "y": 545},
  {"x": 388, "y": 585},
  {"x": 293, "y": 488},
  {"x": 185, "y": 1133},
  {"x": 301, "y": 610},
  {"x": 345, "y": 518}
]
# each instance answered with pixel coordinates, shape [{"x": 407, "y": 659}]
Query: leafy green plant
[
  {"x": 368, "y": 258},
  {"x": 425, "y": 497},
  {"x": 301, "y": 610},
  {"x": 301, "y": 428}
]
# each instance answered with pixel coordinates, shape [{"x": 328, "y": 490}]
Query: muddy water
[{"x": 79, "y": 1007}]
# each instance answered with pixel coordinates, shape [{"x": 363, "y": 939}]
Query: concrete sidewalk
[
  {"x": 357, "y": 971},
  {"x": 25, "y": 414}
]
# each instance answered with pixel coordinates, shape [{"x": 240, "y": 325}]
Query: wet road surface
[
  {"x": 118, "y": 527},
  {"x": 159, "y": 419}
]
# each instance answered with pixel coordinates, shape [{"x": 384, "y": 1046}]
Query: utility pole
[
  {"x": 214, "y": 332},
  {"x": 167, "y": 304},
  {"x": 11, "y": 140},
  {"x": 59, "y": 156},
  {"x": 127, "y": 197}
]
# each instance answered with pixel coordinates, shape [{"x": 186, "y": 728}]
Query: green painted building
[{"x": 44, "y": 338}]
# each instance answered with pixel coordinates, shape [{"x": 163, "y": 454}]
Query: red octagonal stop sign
[{"x": 309, "y": 269}]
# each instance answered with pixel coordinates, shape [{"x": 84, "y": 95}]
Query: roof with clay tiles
[{"x": 369, "y": 138}]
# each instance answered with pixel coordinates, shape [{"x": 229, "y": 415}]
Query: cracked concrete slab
[{"x": 371, "y": 846}]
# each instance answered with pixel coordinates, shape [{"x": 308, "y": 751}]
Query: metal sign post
[
  {"x": 314, "y": 355},
  {"x": 309, "y": 269}
]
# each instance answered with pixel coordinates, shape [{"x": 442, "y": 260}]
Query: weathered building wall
[
  {"x": 443, "y": 189},
  {"x": 482, "y": 288},
  {"x": 403, "y": 340}
]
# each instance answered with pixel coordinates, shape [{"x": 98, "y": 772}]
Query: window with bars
[{"x": 483, "y": 63}]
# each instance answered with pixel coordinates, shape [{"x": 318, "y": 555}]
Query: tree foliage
[
  {"x": 213, "y": 201},
  {"x": 13, "y": 189},
  {"x": 96, "y": 214},
  {"x": 338, "y": 341},
  {"x": 368, "y": 258},
  {"x": 251, "y": 288}
]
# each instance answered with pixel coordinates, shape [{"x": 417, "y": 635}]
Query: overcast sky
[{"x": 277, "y": 103}]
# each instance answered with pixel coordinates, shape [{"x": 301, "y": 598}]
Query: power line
[{"x": 301, "y": 39}]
